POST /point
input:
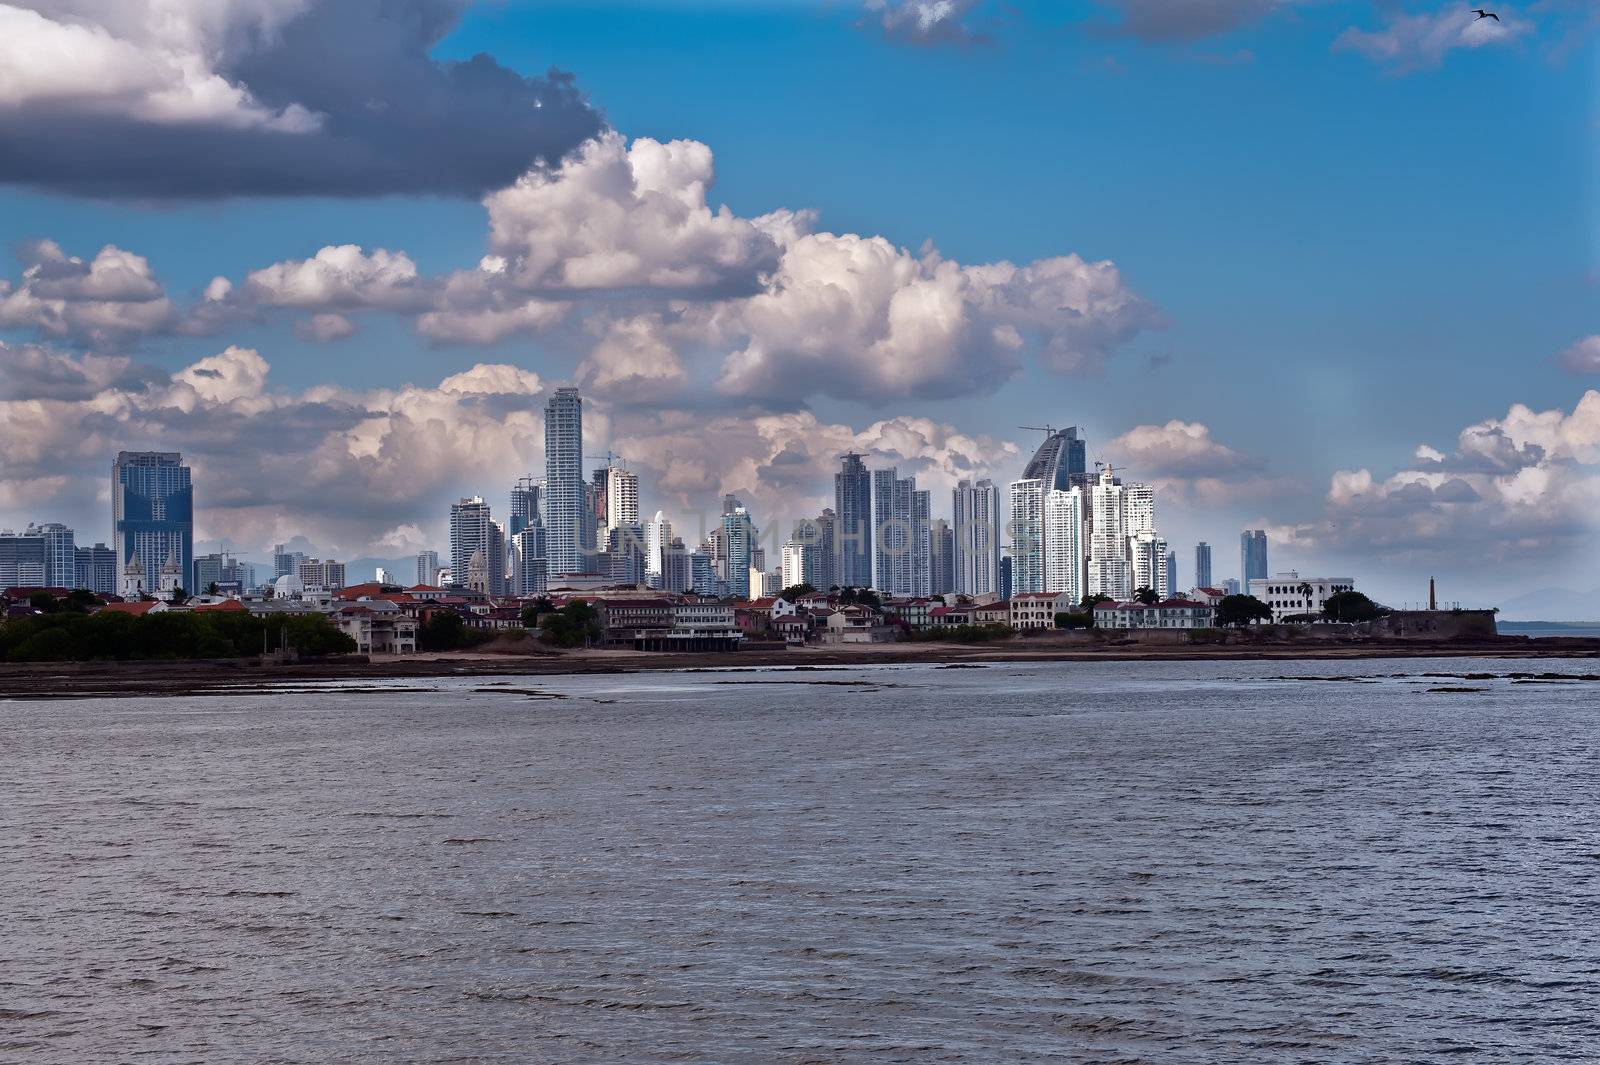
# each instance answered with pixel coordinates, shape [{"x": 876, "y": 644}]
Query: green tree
[
  {"x": 575, "y": 625},
  {"x": 1072, "y": 619},
  {"x": 860, "y": 597},
  {"x": 795, "y": 591},
  {"x": 43, "y": 602},
  {"x": 1089, "y": 602},
  {"x": 1351, "y": 606},
  {"x": 1146, "y": 596},
  {"x": 1237, "y": 610}
]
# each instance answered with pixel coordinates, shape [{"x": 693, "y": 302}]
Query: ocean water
[{"x": 1104, "y": 862}]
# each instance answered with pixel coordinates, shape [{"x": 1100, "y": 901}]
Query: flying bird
[{"x": 1482, "y": 14}]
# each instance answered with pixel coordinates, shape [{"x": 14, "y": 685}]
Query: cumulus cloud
[
  {"x": 623, "y": 238},
  {"x": 111, "y": 297},
  {"x": 209, "y": 98},
  {"x": 1582, "y": 357},
  {"x": 1525, "y": 484},
  {"x": 615, "y": 216},
  {"x": 374, "y": 471},
  {"x": 926, "y": 21},
  {"x": 1178, "y": 449},
  {"x": 1410, "y": 41}
]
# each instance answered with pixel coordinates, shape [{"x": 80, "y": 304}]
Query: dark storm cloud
[{"x": 391, "y": 119}]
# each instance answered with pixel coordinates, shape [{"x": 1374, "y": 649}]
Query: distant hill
[{"x": 1552, "y": 604}]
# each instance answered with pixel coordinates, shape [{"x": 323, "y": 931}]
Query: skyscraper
[
  {"x": 563, "y": 481},
  {"x": 23, "y": 560},
  {"x": 852, "y": 505},
  {"x": 96, "y": 569},
  {"x": 1149, "y": 563},
  {"x": 152, "y": 509},
  {"x": 621, "y": 496},
  {"x": 1172, "y": 575},
  {"x": 427, "y": 567},
  {"x": 60, "y": 554},
  {"x": 1252, "y": 556},
  {"x": 740, "y": 535},
  {"x": 286, "y": 563},
  {"x": 1027, "y": 536},
  {"x": 1063, "y": 542},
  {"x": 1202, "y": 565},
  {"x": 1109, "y": 570},
  {"x": 1061, "y": 461},
  {"x": 942, "y": 556},
  {"x": 525, "y": 510},
  {"x": 895, "y": 533},
  {"x": 474, "y": 532},
  {"x": 977, "y": 537},
  {"x": 657, "y": 541}
]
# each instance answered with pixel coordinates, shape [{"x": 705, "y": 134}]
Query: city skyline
[{"x": 362, "y": 351}]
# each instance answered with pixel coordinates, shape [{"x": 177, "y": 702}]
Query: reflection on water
[{"x": 1162, "y": 862}]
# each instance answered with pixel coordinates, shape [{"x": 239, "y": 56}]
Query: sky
[{"x": 1331, "y": 270}]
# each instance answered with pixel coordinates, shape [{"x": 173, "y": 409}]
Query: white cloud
[
  {"x": 336, "y": 276},
  {"x": 145, "y": 60},
  {"x": 1411, "y": 41},
  {"x": 615, "y": 216},
  {"x": 926, "y": 21},
  {"x": 1525, "y": 486},
  {"x": 1582, "y": 357},
  {"x": 113, "y": 296},
  {"x": 1177, "y": 449},
  {"x": 324, "y": 328}
]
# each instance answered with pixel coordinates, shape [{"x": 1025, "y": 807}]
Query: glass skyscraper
[
  {"x": 563, "y": 483},
  {"x": 1252, "y": 556},
  {"x": 1202, "y": 565},
  {"x": 852, "y": 505},
  {"x": 152, "y": 510},
  {"x": 1061, "y": 462}
]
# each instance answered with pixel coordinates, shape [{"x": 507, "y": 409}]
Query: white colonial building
[{"x": 1289, "y": 594}]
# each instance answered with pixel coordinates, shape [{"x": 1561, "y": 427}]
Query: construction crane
[{"x": 610, "y": 458}]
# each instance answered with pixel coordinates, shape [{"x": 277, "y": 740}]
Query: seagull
[{"x": 1482, "y": 14}]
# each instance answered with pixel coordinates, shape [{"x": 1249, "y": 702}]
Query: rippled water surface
[{"x": 1164, "y": 862}]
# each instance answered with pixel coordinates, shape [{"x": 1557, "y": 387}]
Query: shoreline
[{"x": 69, "y": 680}]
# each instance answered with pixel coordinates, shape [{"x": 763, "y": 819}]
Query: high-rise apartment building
[
  {"x": 1172, "y": 575},
  {"x": 1110, "y": 572},
  {"x": 474, "y": 531},
  {"x": 322, "y": 573},
  {"x": 852, "y": 507},
  {"x": 286, "y": 563},
  {"x": 657, "y": 541},
  {"x": 900, "y": 534},
  {"x": 23, "y": 560},
  {"x": 427, "y": 567},
  {"x": 1149, "y": 563},
  {"x": 565, "y": 512},
  {"x": 1202, "y": 565},
  {"x": 978, "y": 537},
  {"x": 1252, "y": 556},
  {"x": 152, "y": 509},
  {"x": 1063, "y": 524},
  {"x": 942, "y": 557},
  {"x": 676, "y": 570},
  {"x": 739, "y": 534},
  {"x": 621, "y": 493},
  {"x": 1027, "y": 536},
  {"x": 96, "y": 569},
  {"x": 1061, "y": 461}
]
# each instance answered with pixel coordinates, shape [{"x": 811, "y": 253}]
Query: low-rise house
[
  {"x": 1167, "y": 614},
  {"x": 853, "y": 624},
  {"x": 1038, "y": 610},
  {"x": 1291, "y": 595},
  {"x": 915, "y": 612},
  {"x": 995, "y": 613},
  {"x": 701, "y": 625},
  {"x": 377, "y": 626}
]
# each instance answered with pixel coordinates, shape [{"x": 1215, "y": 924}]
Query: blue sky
[{"x": 1348, "y": 257}]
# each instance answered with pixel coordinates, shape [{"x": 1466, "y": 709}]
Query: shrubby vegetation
[
  {"x": 1237, "y": 610},
  {"x": 68, "y": 636},
  {"x": 1351, "y": 606},
  {"x": 961, "y": 633},
  {"x": 1073, "y": 619},
  {"x": 447, "y": 630}
]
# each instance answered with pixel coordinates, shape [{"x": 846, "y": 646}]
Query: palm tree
[
  {"x": 1308, "y": 593},
  {"x": 1146, "y": 596}
]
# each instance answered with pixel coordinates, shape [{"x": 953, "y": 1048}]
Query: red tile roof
[{"x": 141, "y": 607}]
